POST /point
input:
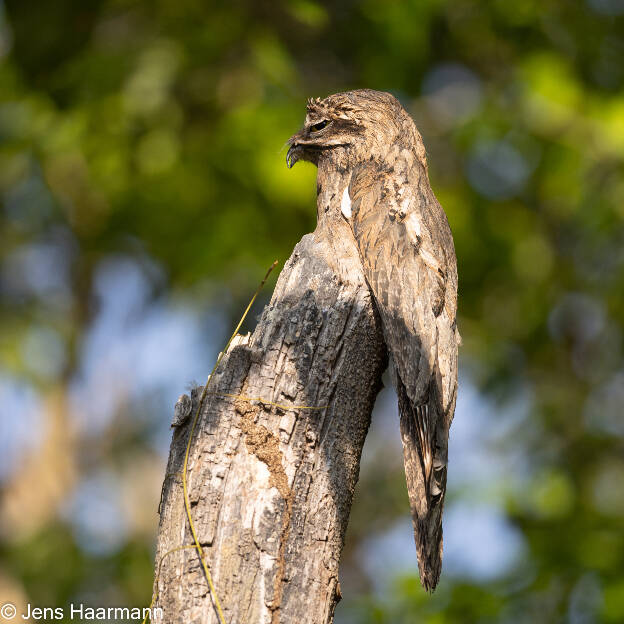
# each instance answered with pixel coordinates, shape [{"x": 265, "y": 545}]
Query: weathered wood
[{"x": 271, "y": 488}]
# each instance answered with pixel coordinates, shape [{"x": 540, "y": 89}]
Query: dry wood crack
[{"x": 265, "y": 446}]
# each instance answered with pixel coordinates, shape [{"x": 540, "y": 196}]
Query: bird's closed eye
[{"x": 319, "y": 126}]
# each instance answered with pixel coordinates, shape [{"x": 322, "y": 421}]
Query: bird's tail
[{"x": 425, "y": 472}]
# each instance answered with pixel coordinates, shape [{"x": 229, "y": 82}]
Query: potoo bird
[{"x": 371, "y": 159}]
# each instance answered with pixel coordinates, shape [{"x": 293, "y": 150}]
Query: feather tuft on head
[{"x": 315, "y": 105}]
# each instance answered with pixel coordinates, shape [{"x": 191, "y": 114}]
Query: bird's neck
[
  {"x": 332, "y": 227},
  {"x": 331, "y": 181}
]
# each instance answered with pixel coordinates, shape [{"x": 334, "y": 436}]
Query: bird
[{"x": 373, "y": 175}]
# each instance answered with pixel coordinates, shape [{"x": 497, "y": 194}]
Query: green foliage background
[{"x": 154, "y": 132}]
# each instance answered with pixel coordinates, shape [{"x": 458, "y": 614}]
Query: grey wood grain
[{"x": 271, "y": 488}]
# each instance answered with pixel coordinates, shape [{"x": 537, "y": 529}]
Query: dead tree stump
[{"x": 271, "y": 487}]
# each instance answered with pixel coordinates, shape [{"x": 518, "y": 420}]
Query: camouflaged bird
[{"x": 372, "y": 168}]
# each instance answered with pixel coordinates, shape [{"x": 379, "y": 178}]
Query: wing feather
[{"x": 408, "y": 257}]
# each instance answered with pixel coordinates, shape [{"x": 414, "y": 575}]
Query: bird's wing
[{"x": 408, "y": 257}]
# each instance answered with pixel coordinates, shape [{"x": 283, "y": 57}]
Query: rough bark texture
[{"x": 271, "y": 488}]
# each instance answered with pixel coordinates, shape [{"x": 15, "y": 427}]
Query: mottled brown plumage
[{"x": 372, "y": 172}]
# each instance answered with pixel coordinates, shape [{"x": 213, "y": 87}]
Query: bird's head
[{"x": 356, "y": 124}]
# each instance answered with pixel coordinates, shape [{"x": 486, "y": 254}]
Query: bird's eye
[{"x": 319, "y": 126}]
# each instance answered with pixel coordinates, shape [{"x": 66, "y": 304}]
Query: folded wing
[{"x": 407, "y": 252}]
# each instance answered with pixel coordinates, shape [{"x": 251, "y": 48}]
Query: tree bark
[{"x": 271, "y": 487}]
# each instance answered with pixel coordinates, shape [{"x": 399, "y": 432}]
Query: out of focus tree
[{"x": 144, "y": 190}]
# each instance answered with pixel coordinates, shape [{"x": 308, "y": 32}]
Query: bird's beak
[{"x": 294, "y": 151}]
